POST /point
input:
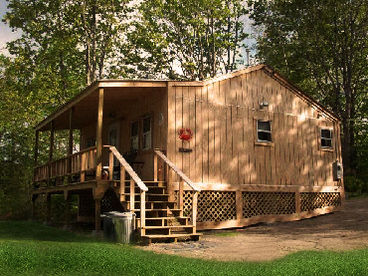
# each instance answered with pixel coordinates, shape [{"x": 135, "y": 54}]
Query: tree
[
  {"x": 322, "y": 47},
  {"x": 187, "y": 39},
  {"x": 85, "y": 34}
]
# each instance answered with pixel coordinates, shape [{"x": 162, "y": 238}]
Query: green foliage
[
  {"x": 187, "y": 39},
  {"x": 33, "y": 249},
  {"x": 355, "y": 185},
  {"x": 64, "y": 45},
  {"x": 322, "y": 47}
]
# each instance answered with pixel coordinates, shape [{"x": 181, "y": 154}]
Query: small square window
[
  {"x": 264, "y": 131},
  {"x": 326, "y": 138}
]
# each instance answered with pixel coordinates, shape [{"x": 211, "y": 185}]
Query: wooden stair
[{"x": 164, "y": 221}]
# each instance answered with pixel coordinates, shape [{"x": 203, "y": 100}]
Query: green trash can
[{"x": 119, "y": 227}]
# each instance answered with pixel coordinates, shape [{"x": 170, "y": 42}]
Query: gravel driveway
[{"x": 342, "y": 230}]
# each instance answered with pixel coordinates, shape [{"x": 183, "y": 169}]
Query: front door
[{"x": 141, "y": 144}]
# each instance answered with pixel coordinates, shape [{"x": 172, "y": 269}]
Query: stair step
[
  {"x": 148, "y": 238},
  {"x": 165, "y": 218},
  {"x": 154, "y": 204},
  {"x": 168, "y": 227},
  {"x": 149, "y": 197},
  {"x": 151, "y": 189},
  {"x": 156, "y": 210},
  {"x": 148, "y": 194},
  {"x": 165, "y": 221}
]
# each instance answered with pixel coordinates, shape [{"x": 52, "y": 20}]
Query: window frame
[
  {"x": 327, "y": 148},
  {"x": 264, "y": 131}
]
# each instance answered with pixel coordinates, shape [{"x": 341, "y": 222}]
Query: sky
[{"x": 6, "y": 34}]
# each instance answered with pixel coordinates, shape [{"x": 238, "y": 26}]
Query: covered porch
[
  {"x": 119, "y": 124},
  {"x": 130, "y": 115}
]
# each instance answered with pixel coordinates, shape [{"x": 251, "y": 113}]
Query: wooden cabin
[{"x": 239, "y": 149}]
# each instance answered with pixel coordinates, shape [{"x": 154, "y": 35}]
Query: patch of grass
[{"x": 33, "y": 249}]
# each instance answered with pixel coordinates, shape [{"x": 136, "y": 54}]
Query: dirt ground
[{"x": 342, "y": 230}]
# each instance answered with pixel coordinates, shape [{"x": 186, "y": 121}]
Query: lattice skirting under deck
[
  {"x": 221, "y": 206},
  {"x": 311, "y": 201}
]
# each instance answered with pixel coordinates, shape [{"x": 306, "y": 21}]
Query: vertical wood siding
[{"x": 222, "y": 116}]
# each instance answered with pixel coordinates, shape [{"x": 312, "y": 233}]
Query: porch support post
[
  {"x": 51, "y": 151},
  {"x": 52, "y": 137},
  {"x": 67, "y": 208},
  {"x": 99, "y": 134},
  {"x": 35, "y": 155},
  {"x": 48, "y": 208},
  {"x": 34, "y": 197},
  {"x": 98, "y": 214},
  {"x": 70, "y": 144},
  {"x": 36, "y": 148}
]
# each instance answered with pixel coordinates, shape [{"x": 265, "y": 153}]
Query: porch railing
[
  {"x": 170, "y": 166},
  {"x": 77, "y": 163}
]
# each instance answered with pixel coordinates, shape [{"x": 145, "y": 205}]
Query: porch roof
[
  {"x": 90, "y": 97},
  {"x": 85, "y": 103}
]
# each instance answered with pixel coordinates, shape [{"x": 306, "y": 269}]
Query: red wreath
[{"x": 185, "y": 134}]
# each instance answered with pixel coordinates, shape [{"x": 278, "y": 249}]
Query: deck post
[
  {"x": 181, "y": 196},
  {"x": 143, "y": 212},
  {"x": 67, "y": 208},
  {"x": 170, "y": 187},
  {"x": 98, "y": 214},
  {"x": 51, "y": 151},
  {"x": 48, "y": 208},
  {"x": 155, "y": 167},
  {"x": 83, "y": 166},
  {"x": 122, "y": 184},
  {"x": 35, "y": 154},
  {"x": 111, "y": 166},
  {"x": 99, "y": 134},
  {"x": 132, "y": 195},
  {"x": 70, "y": 144},
  {"x": 36, "y": 148},
  {"x": 34, "y": 198},
  {"x": 194, "y": 211}
]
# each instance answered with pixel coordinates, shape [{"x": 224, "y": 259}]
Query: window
[
  {"x": 326, "y": 138},
  {"x": 134, "y": 136},
  {"x": 147, "y": 122},
  {"x": 264, "y": 131},
  {"x": 90, "y": 142}
]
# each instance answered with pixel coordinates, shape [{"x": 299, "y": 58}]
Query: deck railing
[
  {"x": 170, "y": 166},
  {"x": 77, "y": 163},
  {"x": 84, "y": 161}
]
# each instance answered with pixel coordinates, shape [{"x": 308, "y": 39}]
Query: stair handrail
[
  {"x": 178, "y": 171},
  {"x": 125, "y": 167},
  {"x": 128, "y": 168},
  {"x": 183, "y": 178}
]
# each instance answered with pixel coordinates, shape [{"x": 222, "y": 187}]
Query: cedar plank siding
[{"x": 223, "y": 118}]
